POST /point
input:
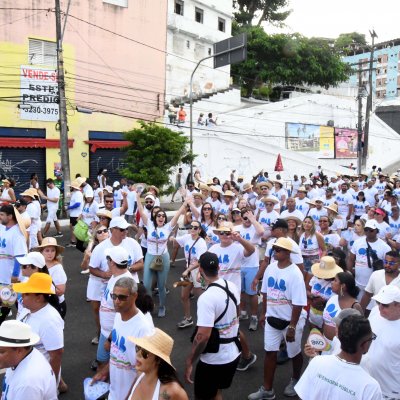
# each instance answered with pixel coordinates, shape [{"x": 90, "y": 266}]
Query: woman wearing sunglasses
[
  {"x": 382, "y": 224},
  {"x": 212, "y": 237},
  {"x": 158, "y": 231},
  {"x": 194, "y": 246},
  {"x": 156, "y": 377}
]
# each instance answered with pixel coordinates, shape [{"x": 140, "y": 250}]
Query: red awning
[
  {"x": 107, "y": 144},
  {"x": 32, "y": 143}
]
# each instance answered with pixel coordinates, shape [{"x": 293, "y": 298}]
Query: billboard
[
  {"x": 346, "y": 142},
  {"x": 39, "y": 89},
  {"x": 310, "y": 138}
]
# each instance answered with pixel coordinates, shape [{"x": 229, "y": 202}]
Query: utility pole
[
  {"x": 359, "y": 124},
  {"x": 369, "y": 102},
  {"x": 62, "y": 107}
]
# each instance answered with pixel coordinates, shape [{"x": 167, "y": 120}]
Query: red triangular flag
[{"x": 278, "y": 164}]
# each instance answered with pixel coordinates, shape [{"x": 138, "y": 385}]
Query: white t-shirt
[
  {"x": 380, "y": 187},
  {"x": 328, "y": 202},
  {"x": 210, "y": 306},
  {"x": 332, "y": 308},
  {"x": 250, "y": 235},
  {"x": 309, "y": 246},
  {"x": 360, "y": 207},
  {"x": 76, "y": 197},
  {"x": 321, "y": 288},
  {"x": 89, "y": 212},
  {"x": 332, "y": 239},
  {"x": 376, "y": 281},
  {"x": 326, "y": 377},
  {"x": 59, "y": 277},
  {"x": 384, "y": 228},
  {"x": 295, "y": 213},
  {"x": 116, "y": 212},
  {"x": 295, "y": 256},
  {"x": 230, "y": 260},
  {"x": 131, "y": 199},
  {"x": 359, "y": 249},
  {"x": 33, "y": 379},
  {"x": 215, "y": 204},
  {"x": 312, "y": 194},
  {"x": 159, "y": 235},
  {"x": 13, "y": 244},
  {"x": 316, "y": 214},
  {"x": 123, "y": 353},
  {"x": 97, "y": 197},
  {"x": 107, "y": 310},
  {"x": 302, "y": 206},
  {"x": 99, "y": 260},
  {"x": 394, "y": 226},
  {"x": 225, "y": 208},
  {"x": 53, "y": 194},
  {"x": 383, "y": 358},
  {"x": 284, "y": 288},
  {"x": 295, "y": 187},
  {"x": 117, "y": 198},
  {"x": 196, "y": 250},
  {"x": 344, "y": 200},
  {"x": 48, "y": 324},
  {"x": 266, "y": 219},
  {"x": 369, "y": 194},
  {"x": 350, "y": 236}
]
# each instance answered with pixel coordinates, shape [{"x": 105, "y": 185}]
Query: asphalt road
[{"x": 80, "y": 329}]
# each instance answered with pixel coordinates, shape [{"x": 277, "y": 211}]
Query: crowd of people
[{"x": 316, "y": 258}]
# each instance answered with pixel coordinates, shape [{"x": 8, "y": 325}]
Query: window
[
  {"x": 209, "y": 51},
  {"x": 179, "y": 7},
  {"x": 221, "y": 24},
  {"x": 42, "y": 52},
  {"x": 120, "y": 3},
  {"x": 187, "y": 44},
  {"x": 198, "y": 15}
]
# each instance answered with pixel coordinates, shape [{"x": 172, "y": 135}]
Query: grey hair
[{"x": 127, "y": 283}]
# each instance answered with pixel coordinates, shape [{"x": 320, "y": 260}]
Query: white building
[
  {"x": 193, "y": 27},
  {"x": 250, "y": 135}
]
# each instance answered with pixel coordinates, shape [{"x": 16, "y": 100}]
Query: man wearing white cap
[
  {"x": 362, "y": 254},
  {"x": 383, "y": 358},
  {"x": 28, "y": 374}
]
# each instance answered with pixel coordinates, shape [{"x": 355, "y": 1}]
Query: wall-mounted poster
[{"x": 346, "y": 143}]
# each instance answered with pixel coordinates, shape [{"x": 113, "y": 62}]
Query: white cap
[
  {"x": 150, "y": 196},
  {"x": 88, "y": 192},
  {"x": 388, "y": 294},
  {"x": 115, "y": 184},
  {"x": 119, "y": 222},
  {"x": 118, "y": 254},
  {"x": 33, "y": 258},
  {"x": 371, "y": 223},
  {"x": 109, "y": 189}
]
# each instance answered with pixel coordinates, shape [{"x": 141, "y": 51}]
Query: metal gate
[
  {"x": 111, "y": 159},
  {"x": 19, "y": 164}
]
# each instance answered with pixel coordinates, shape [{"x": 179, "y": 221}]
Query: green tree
[
  {"x": 155, "y": 150},
  {"x": 261, "y": 10},
  {"x": 287, "y": 59},
  {"x": 349, "y": 41}
]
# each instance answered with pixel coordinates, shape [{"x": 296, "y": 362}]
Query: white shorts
[
  {"x": 51, "y": 216},
  {"x": 193, "y": 278},
  {"x": 273, "y": 338},
  {"x": 95, "y": 288}
]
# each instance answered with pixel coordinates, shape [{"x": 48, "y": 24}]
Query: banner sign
[
  {"x": 346, "y": 142},
  {"x": 39, "y": 92}
]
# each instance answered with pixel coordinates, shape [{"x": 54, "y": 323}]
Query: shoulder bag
[
  {"x": 157, "y": 261},
  {"x": 373, "y": 261}
]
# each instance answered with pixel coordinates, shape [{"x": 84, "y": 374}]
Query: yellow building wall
[{"x": 12, "y": 56}]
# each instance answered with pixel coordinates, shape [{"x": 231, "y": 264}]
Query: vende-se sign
[{"x": 39, "y": 89}]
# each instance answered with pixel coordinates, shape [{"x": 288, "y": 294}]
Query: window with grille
[
  {"x": 42, "y": 52},
  {"x": 179, "y": 7}
]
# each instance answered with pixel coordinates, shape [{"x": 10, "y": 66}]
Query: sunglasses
[
  {"x": 269, "y": 204},
  {"x": 28, "y": 266},
  {"x": 194, "y": 227},
  {"x": 161, "y": 215},
  {"x": 224, "y": 233},
  {"x": 144, "y": 353},
  {"x": 390, "y": 263},
  {"x": 121, "y": 229},
  {"x": 101, "y": 231},
  {"x": 103, "y": 218},
  {"x": 221, "y": 219},
  {"x": 120, "y": 297},
  {"x": 112, "y": 201},
  {"x": 207, "y": 208},
  {"x": 368, "y": 230},
  {"x": 149, "y": 202},
  {"x": 235, "y": 212},
  {"x": 278, "y": 250}
]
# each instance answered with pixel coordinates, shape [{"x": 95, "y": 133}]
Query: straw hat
[
  {"x": 80, "y": 180},
  {"x": 293, "y": 218},
  {"x": 6, "y": 181},
  {"x": 326, "y": 268},
  {"x": 216, "y": 189},
  {"x": 264, "y": 183},
  {"x": 160, "y": 344},
  {"x": 333, "y": 207},
  {"x": 38, "y": 282},
  {"x": 270, "y": 199},
  {"x": 246, "y": 186},
  {"x": 21, "y": 223},
  {"x": 198, "y": 194},
  {"x": 284, "y": 243},
  {"x": 280, "y": 181},
  {"x": 225, "y": 226},
  {"x": 155, "y": 188},
  {"x": 203, "y": 186},
  {"x": 31, "y": 192},
  {"x": 311, "y": 202},
  {"x": 302, "y": 189},
  {"x": 108, "y": 189},
  {"x": 17, "y": 334},
  {"x": 50, "y": 241},
  {"x": 75, "y": 184},
  {"x": 229, "y": 193},
  {"x": 104, "y": 213}
]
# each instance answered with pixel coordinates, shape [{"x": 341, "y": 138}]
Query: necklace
[{"x": 345, "y": 361}]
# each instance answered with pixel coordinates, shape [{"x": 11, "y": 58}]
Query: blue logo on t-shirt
[
  {"x": 331, "y": 310},
  {"x": 160, "y": 236},
  {"x": 274, "y": 284},
  {"x": 224, "y": 259},
  {"x": 119, "y": 341},
  {"x": 327, "y": 291},
  {"x": 192, "y": 251}
]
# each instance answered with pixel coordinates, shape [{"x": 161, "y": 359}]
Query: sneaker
[
  {"x": 94, "y": 365},
  {"x": 289, "y": 389},
  {"x": 243, "y": 316},
  {"x": 245, "y": 363},
  {"x": 161, "y": 312},
  {"x": 262, "y": 394},
  {"x": 58, "y": 234},
  {"x": 253, "y": 323},
  {"x": 95, "y": 340},
  {"x": 85, "y": 271},
  {"x": 185, "y": 322},
  {"x": 71, "y": 244},
  {"x": 282, "y": 357}
]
